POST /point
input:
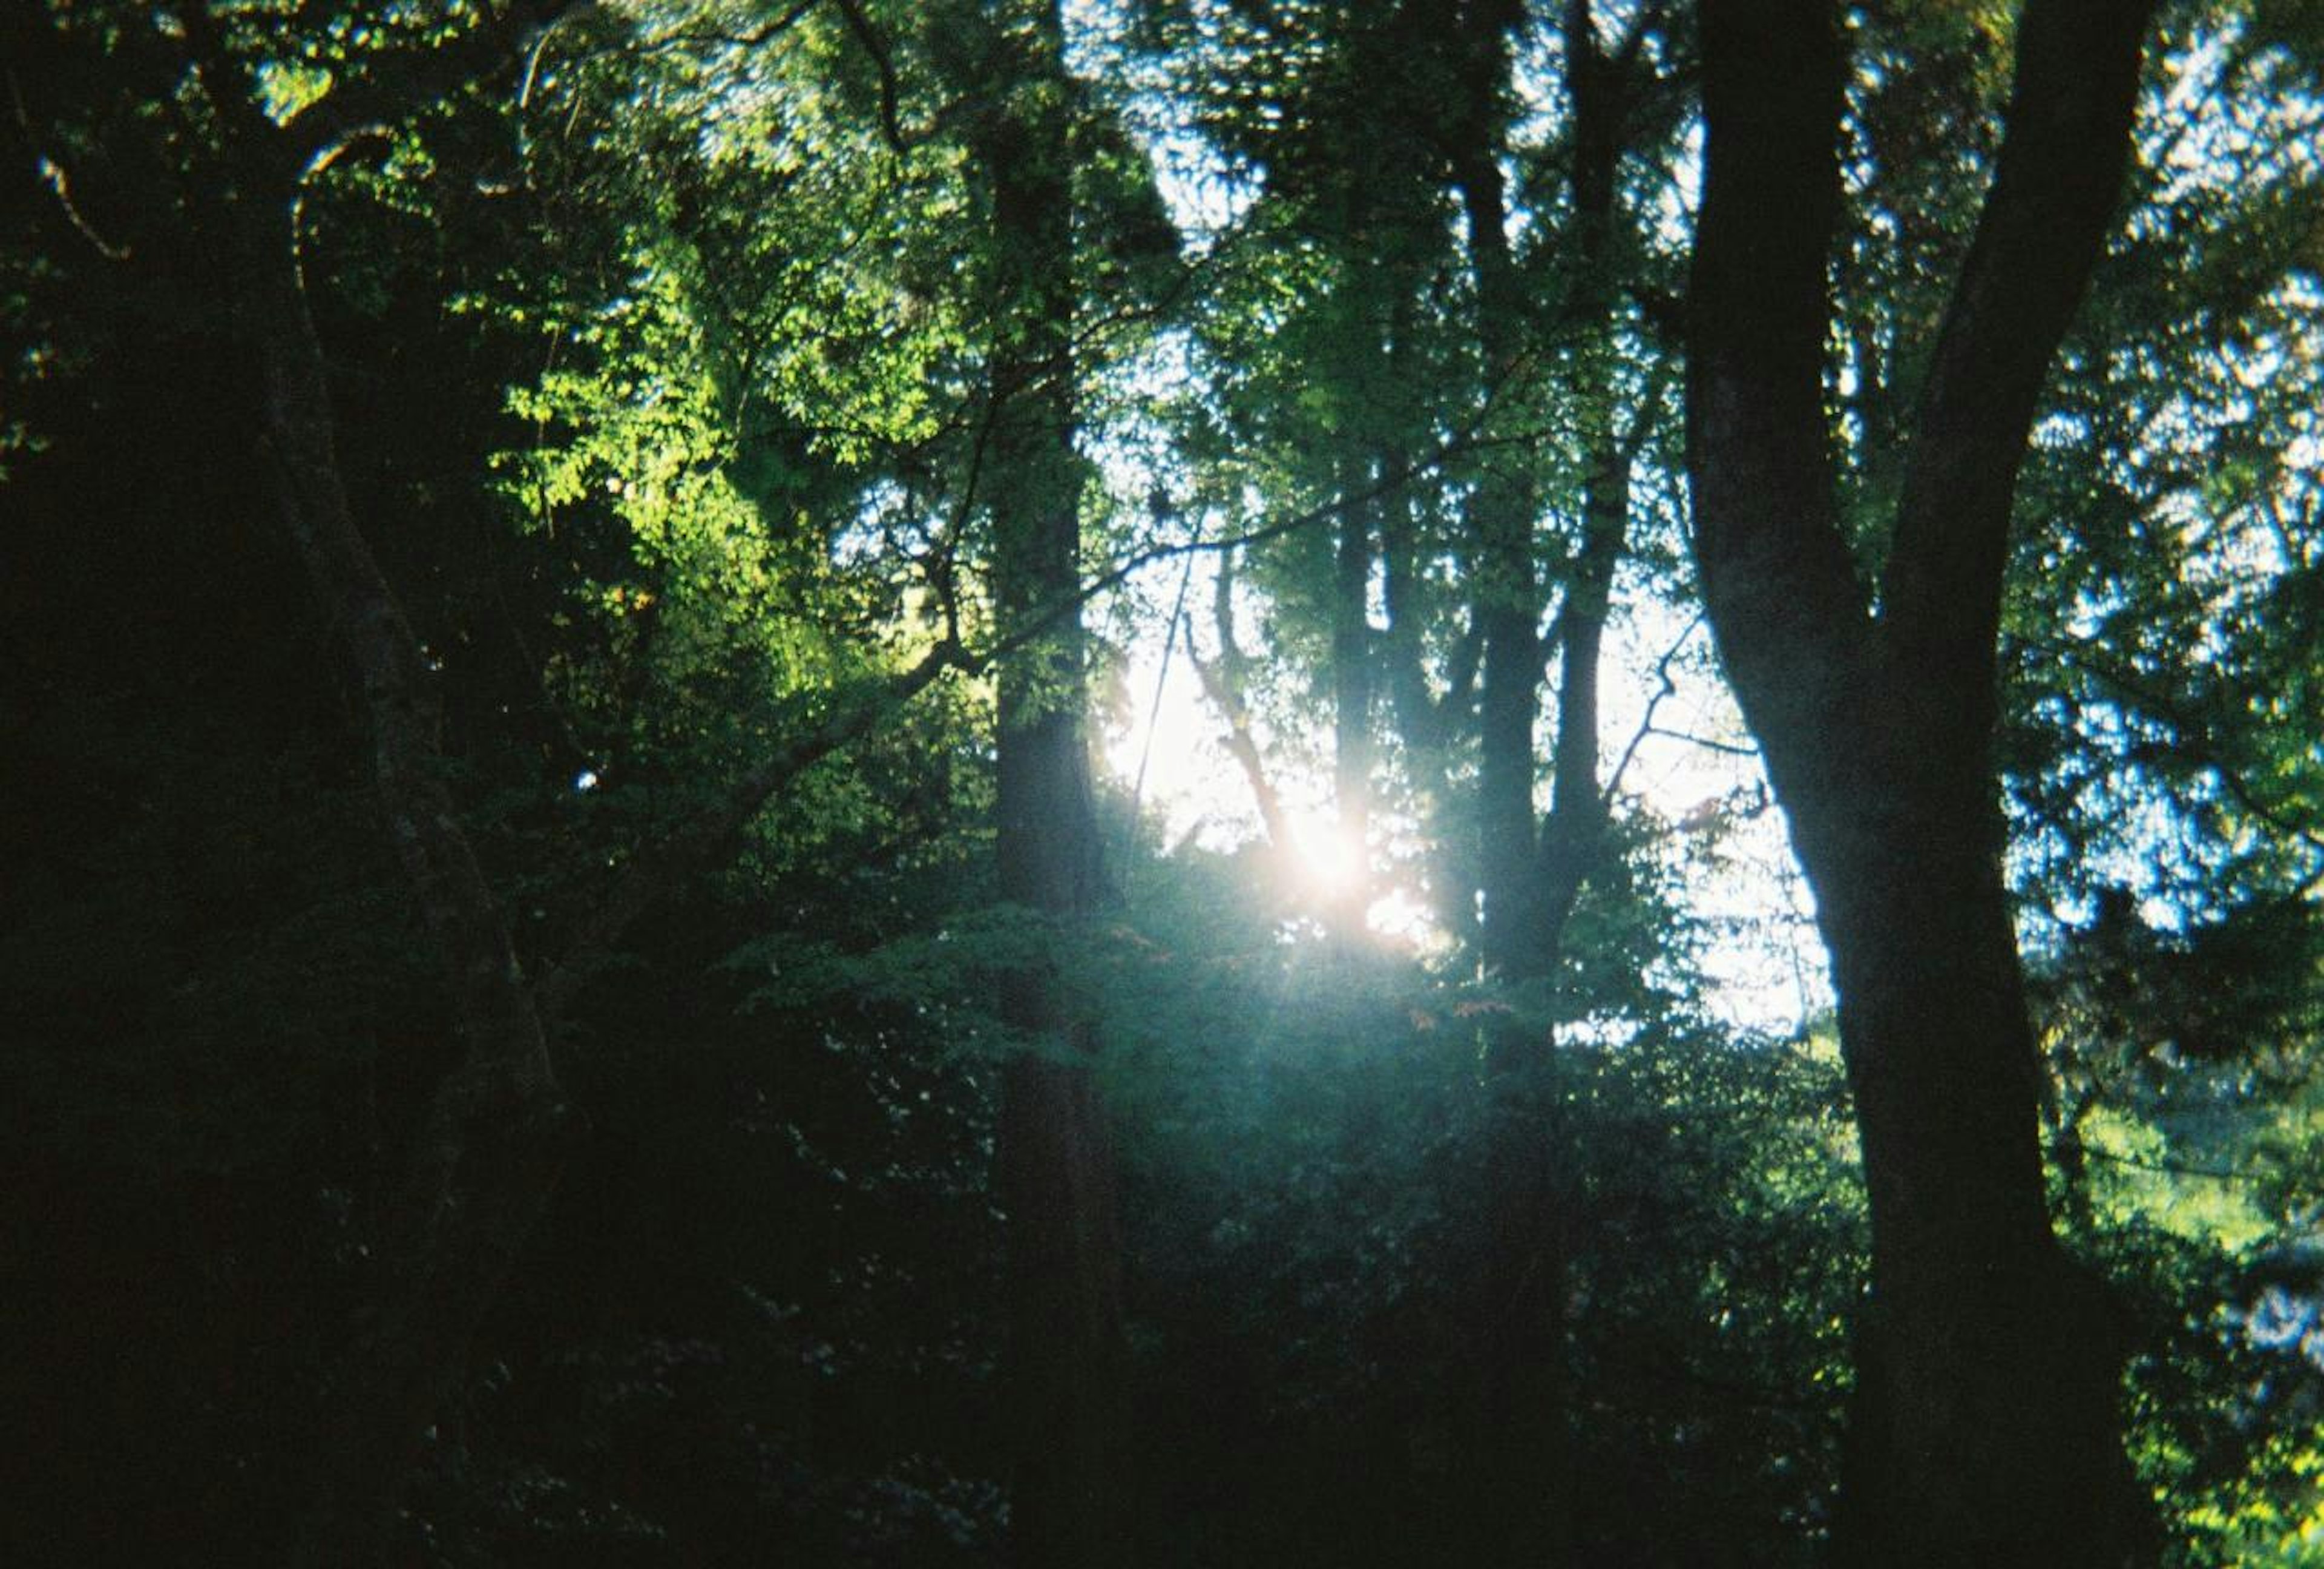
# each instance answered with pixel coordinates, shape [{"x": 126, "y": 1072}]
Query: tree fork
[{"x": 1983, "y": 1429}]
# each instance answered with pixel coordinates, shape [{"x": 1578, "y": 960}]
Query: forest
[{"x": 1106, "y": 784}]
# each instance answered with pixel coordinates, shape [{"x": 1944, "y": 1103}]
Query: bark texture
[
  {"x": 1985, "y": 1428},
  {"x": 1068, "y": 1357}
]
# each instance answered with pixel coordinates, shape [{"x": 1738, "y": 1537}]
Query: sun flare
[{"x": 1331, "y": 863}]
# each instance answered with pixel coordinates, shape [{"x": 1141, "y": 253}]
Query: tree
[
  {"x": 1984, "y": 1427},
  {"x": 487, "y": 1157},
  {"x": 1055, "y": 1167},
  {"x": 1450, "y": 295},
  {"x": 475, "y": 1082},
  {"x": 1534, "y": 867}
]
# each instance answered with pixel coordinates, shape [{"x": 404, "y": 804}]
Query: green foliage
[
  {"x": 1313, "y": 1128},
  {"x": 664, "y": 373}
]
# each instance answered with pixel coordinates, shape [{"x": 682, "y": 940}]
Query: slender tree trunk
[
  {"x": 1508, "y": 589},
  {"x": 1984, "y": 1430},
  {"x": 494, "y": 1138},
  {"x": 1532, "y": 868},
  {"x": 1574, "y": 836},
  {"x": 1521, "y": 1508},
  {"x": 1351, "y": 705},
  {"x": 1223, "y": 681},
  {"x": 1067, "y": 1357}
]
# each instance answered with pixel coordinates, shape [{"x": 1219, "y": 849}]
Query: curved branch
[{"x": 2054, "y": 193}]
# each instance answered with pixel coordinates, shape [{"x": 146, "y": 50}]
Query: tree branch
[
  {"x": 661, "y": 869},
  {"x": 1785, "y": 602},
  {"x": 884, "y": 61},
  {"x": 1222, "y": 683},
  {"x": 2055, "y": 192},
  {"x": 398, "y": 83}
]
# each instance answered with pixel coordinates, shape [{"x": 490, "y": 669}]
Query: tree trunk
[
  {"x": 1983, "y": 1428},
  {"x": 1508, "y": 590},
  {"x": 1351, "y": 708},
  {"x": 1068, "y": 1356},
  {"x": 1534, "y": 867},
  {"x": 1573, "y": 838},
  {"x": 494, "y": 1143},
  {"x": 486, "y": 1159}
]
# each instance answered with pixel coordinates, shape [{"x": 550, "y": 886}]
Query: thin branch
[
  {"x": 398, "y": 83},
  {"x": 1436, "y": 458},
  {"x": 684, "y": 35},
  {"x": 60, "y": 184},
  {"x": 53, "y": 174},
  {"x": 1222, "y": 682},
  {"x": 2171, "y": 1168},
  {"x": 1731, "y": 748},
  {"x": 660, "y": 869},
  {"x": 1161, "y": 682},
  {"x": 1665, "y": 687},
  {"x": 884, "y": 61}
]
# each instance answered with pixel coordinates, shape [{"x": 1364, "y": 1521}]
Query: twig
[
  {"x": 1666, "y": 687},
  {"x": 891, "y": 126}
]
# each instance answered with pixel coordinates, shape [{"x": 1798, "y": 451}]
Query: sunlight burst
[{"x": 1331, "y": 863}]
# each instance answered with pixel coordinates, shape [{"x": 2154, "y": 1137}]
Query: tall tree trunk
[
  {"x": 1068, "y": 1358},
  {"x": 486, "y": 1161},
  {"x": 1573, "y": 837},
  {"x": 1508, "y": 592},
  {"x": 1521, "y": 1511},
  {"x": 495, "y": 1135},
  {"x": 1351, "y": 705},
  {"x": 1983, "y": 1429}
]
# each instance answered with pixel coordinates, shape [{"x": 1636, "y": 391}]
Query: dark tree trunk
[
  {"x": 1067, "y": 1357},
  {"x": 1530, "y": 870},
  {"x": 1573, "y": 838},
  {"x": 1519, "y": 1510},
  {"x": 1983, "y": 1429},
  {"x": 486, "y": 1161},
  {"x": 1507, "y": 594},
  {"x": 494, "y": 1143}
]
